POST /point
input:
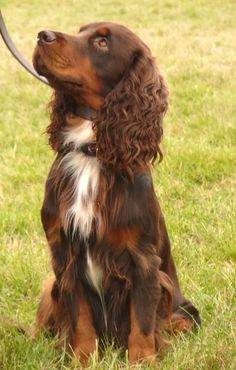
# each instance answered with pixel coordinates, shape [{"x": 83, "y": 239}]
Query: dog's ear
[
  {"x": 58, "y": 107},
  {"x": 129, "y": 128}
]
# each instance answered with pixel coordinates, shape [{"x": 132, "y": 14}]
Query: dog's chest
[{"x": 82, "y": 173}]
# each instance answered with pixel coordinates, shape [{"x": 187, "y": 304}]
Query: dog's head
[{"x": 108, "y": 68}]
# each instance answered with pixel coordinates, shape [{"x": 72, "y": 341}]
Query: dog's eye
[{"x": 101, "y": 43}]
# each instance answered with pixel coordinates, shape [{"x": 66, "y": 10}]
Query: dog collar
[{"x": 90, "y": 149}]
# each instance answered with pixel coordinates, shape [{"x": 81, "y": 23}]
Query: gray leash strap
[{"x": 11, "y": 46}]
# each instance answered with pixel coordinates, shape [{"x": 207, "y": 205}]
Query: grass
[{"x": 194, "y": 44}]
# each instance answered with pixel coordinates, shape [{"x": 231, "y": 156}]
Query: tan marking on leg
[
  {"x": 53, "y": 232},
  {"x": 85, "y": 338},
  {"x": 48, "y": 315},
  {"x": 45, "y": 309},
  {"x": 141, "y": 347},
  {"x": 179, "y": 323}
]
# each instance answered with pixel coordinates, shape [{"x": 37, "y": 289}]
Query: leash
[
  {"x": 81, "y": 111},
  {"x": 11, "y": 46}
]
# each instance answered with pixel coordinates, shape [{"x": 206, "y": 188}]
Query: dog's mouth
[{"x": 43, "y": 68}]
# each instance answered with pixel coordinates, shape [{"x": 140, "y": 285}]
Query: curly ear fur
[
  {"x": 129, "y": 127},
  {"x": 58, "y": 108}
]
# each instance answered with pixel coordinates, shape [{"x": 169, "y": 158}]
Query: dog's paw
[
  {"x": 84, "y": 350},
  {"x": 138, "y": 354}
]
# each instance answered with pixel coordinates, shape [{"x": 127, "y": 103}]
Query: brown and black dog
[{"x": 114, "y": 275}]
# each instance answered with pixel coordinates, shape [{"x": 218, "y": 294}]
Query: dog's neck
[
  {"x": 78, "y": 134},
  {"x": 85, "y": 112}
]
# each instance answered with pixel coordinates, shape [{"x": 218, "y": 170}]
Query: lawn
[{"x": 194, "y": 42}]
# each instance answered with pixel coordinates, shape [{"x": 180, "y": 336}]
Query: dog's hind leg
[
  {"x": 185, "y": 316},
  {"x": 45, "y": 319}
]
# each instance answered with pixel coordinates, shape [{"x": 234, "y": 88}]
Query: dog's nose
[{"x": 47, "y": 36}]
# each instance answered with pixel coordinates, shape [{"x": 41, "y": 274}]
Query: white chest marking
[
  {"x": 84, "y": 172},
  {"x": 94, "y": 274}
]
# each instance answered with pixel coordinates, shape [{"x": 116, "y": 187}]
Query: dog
[{"x": 114, "y": 275}]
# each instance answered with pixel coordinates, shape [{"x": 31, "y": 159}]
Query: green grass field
[{"x": 194, "y": 42}]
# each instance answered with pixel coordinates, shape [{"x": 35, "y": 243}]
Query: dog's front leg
[
  {"x": 85, "y": 337},
  {"x": 59, "y": 304},
  {"x": 145, "y": 296}
]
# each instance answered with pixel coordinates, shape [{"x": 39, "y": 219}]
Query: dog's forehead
[
  {"x": 118, "y": 33},
  {"x": 104, "y": 28}
]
